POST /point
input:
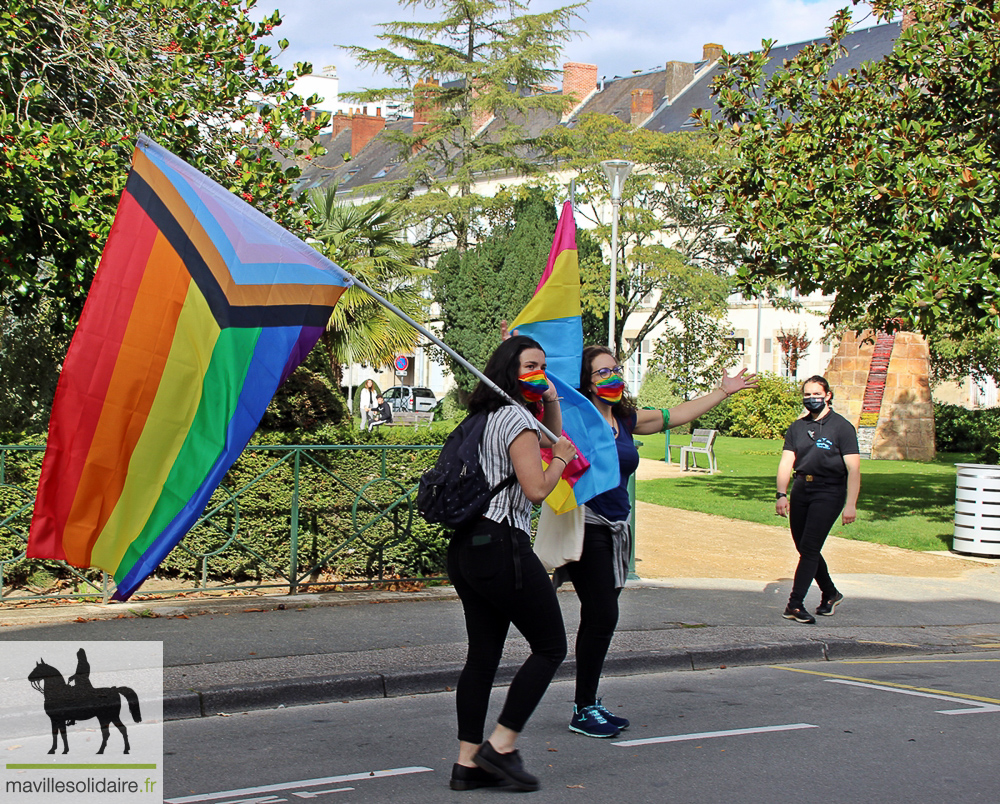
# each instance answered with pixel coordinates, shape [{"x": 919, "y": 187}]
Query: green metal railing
[{"x": 339, "y": 502}]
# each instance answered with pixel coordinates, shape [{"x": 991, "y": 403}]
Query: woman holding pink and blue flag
[
  {"x": 600, "y": 573},
  {"x": 600, "y": 419}
]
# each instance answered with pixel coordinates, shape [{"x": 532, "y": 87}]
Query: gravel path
[{"x": 672, "y": 543}]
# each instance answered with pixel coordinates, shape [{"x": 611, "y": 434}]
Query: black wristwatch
[{"x": 779, "y": 494}]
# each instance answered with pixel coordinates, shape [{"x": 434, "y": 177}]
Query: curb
[{"x": 227, "y": 699}]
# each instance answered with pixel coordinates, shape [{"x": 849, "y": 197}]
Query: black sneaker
[
  {"x": 463, "y": 778},
  {"x": 507, "y": 766},
  {"x": 826, "y": 607},
  {"x": 799, "y": 614}
]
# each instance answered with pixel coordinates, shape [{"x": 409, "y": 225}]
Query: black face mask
[{"x": 814, "y": 404}]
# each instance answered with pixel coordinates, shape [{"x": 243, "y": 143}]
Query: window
[
  {"x": 826, "y": 348},
  {"x": 767, "y": 346},
  {"x": 739, "y": 345}
]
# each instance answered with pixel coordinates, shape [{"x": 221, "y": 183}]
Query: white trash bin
[{"x": 977, "y": 510}]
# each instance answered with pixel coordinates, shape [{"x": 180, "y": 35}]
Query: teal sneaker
[
  {"x": 621, "y": 722},
  {"x": 590, "y": 722}
]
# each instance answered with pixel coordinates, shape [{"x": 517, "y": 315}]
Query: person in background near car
[
  {"x": 380, "y": 414},
  {"x": 367, "y": 402},
  {"x": 498, "y": 577},
  {"x": 822, "y": 449}
]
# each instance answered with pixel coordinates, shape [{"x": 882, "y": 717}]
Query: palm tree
[{"x": 368, "y": 241}]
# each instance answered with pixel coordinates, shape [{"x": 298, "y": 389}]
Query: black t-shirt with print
[{"x": 820, "y": 446}]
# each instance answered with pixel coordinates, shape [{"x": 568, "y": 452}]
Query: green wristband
[{"x": 666, "y": 419}]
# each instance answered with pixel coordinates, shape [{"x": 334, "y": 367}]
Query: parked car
[{"x": 409, "y": 397}]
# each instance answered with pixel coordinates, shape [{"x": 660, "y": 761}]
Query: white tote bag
[{"x": 559, "y": 538}]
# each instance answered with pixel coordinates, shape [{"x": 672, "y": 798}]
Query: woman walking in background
[
  {"x": 822, "y": 450},
  {"x": 498, "y": 577}
]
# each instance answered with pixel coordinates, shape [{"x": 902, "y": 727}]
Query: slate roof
[
  {"x": 867, "y": 44},
  {"x": 379, "y": 160}
]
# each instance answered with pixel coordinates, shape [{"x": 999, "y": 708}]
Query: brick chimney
[
  {"x": 711, "y": 52},
  {"x": 364, "y": 129},
  {"x": 424, "y": 95},
  {"x": 340, "y": 122},
  {"x": 642, "y": 105},
  {"x": 480, "y": 117},
  {"x": 680, "y": 74},
  {"x": 579, "y": 80}
]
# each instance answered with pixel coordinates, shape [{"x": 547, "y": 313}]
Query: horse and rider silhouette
[{"x": 66, "y": 703}]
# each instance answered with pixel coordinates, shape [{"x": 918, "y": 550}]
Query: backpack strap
[{"x": 501, "y": 486}]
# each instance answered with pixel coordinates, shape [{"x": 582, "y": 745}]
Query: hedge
[
  {"x": 329, "y": 482},
  {"x": 958, "y": 429}
]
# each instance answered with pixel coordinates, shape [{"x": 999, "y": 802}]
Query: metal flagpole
[{"x": 436, "y": 340}]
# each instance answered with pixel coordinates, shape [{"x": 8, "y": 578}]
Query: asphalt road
[{"x": 915, "y": 729}]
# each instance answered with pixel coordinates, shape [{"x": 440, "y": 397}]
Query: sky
[{"x": 619, "y": 36}]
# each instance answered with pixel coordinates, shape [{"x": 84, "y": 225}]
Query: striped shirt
[{"x": 502, "y": 427}]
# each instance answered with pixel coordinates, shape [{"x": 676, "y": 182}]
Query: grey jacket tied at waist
[{"x": 621, "y": 538}]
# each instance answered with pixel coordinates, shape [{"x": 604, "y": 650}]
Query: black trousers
[
  {"x": 814, "y": 508},
  {"x": 500, "y": 581},
  {"x": 593, "y": 578}
]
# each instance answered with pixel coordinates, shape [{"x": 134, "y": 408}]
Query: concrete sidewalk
[{"x": 235, "y": 654}]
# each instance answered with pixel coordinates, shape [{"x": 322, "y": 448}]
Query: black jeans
[
  {"x": 593, "y": 578},
  {"x": 814, "y": 508},
  {"x": 501, "y": 581}
]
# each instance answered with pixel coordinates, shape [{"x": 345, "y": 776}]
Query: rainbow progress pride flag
[
  {"x": 200, "y": 308},
  {"x": 553, "y": 318}
]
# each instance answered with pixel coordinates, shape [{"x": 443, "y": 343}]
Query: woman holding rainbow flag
[{"x": 499, "y": 580}]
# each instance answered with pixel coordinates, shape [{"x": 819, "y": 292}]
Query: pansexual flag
[
  {"x": 553, "y": 318},
  {"x": 199, "y": 310}
]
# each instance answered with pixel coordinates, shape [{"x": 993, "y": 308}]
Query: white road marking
[
  {"x": 704, "y": 735},
  {"x": 272, "y": 788},
  {"x": 318, "y": 793},
  {"x": 972, "y": 707}
]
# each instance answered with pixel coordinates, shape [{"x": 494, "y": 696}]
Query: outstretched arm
[{"x": 651, "y": 421}]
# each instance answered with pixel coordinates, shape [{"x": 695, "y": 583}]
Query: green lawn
[{"x": 903, "y": 503}]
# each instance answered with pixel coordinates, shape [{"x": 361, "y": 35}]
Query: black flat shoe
[
  {"x": 507, "y": 766},
  {"x": 463, "y": 778}
]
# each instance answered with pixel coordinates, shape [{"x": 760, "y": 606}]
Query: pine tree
[{"x": 481, "y": 61}]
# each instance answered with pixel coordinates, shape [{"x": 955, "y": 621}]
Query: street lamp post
[{"x": 617, "y": 171}]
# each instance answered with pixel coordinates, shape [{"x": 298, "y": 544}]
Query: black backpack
[{"x": 455, "y": 492}]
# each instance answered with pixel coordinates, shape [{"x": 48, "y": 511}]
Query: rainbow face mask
[
  {"x": 610, "y": 389},
  {"x": 533, "y": 385}
]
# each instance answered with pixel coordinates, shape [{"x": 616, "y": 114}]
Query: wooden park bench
[
  {"x": 411, "y": 417},
  {"x": 702, "y": 442}
]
